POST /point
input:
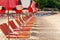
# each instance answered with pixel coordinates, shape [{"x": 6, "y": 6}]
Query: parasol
[
  {"x": 27, "y": 4},
  {"x": 8, "y": 4},
  {"x": 33, "y": 5}
]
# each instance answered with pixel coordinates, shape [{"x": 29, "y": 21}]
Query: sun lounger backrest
[
  {"x": 18, "y": 21},
  {"x": 5, "y": 29},
  {"x": 12, "y": 24}
]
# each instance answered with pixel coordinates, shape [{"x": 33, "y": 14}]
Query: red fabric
[
  {"x": 12, "y": 24},
  {"x": 33, "y": 5},
  {"x": 30, "y": 9},
  {"x": 8, "y": 3},
  {"x": 18, "y": 21},
  {"x": 5, "y": 29},
  {"x": 18, "y": 11},
  {"x": 9, "y": 8},
  {"x": 2, "y": 11}
]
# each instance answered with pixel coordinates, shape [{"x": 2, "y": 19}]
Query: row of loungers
[{"x": 18, "y": 32}]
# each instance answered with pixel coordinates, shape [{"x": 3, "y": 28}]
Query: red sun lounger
[
  {"x": 22, "y": 28},
  {"x": 9, "y": 34}
]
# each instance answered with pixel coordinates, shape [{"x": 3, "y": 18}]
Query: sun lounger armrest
[
  {"x": 16, "y": 29},
  {"x": 14, "y": 33}
]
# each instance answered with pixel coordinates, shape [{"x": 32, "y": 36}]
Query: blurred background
[{"x": 42, "y": 4}]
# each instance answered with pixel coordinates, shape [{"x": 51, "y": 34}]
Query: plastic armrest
[
  {"x": 17, "y": 29},
  {"x": 14, "y": 33}
]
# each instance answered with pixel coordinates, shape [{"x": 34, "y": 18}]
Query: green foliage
[
  {"x": 41, "y": 3},
  {"x": 58, "y": 4},
  {"x": 48, "y": 3}
]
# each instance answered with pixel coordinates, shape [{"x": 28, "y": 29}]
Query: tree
[
  {"x": 48, "y": 3},
  {"x": 41, "y": 3}
]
